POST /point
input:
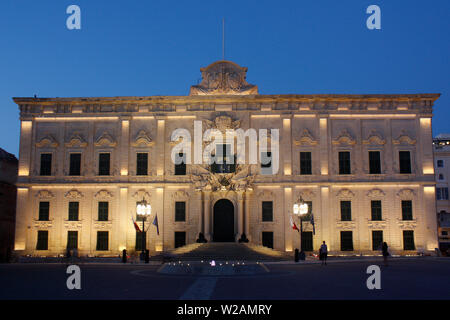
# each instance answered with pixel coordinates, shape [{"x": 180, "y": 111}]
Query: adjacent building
[
  {"x": 441, "y": 146},
  {"x": 363, "y": 163},
  {"x": 8, "y": 193}
]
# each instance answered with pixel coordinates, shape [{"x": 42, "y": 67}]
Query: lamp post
[
  {"x": 143, "y": 209},
  {"x": 300, "y": 208}
]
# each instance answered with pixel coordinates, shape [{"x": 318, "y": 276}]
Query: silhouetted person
[
  {"x": 323, "y": 252},
  {"x": 384, "y": 250}
]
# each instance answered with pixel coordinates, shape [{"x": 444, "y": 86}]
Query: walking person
[
  {"x": 385, "y": 251},
  {"x": 323, "y": 253}
]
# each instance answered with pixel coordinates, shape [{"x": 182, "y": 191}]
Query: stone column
[
  {"x": 124, "y": 148},
  {"x": 206, "y": 211},
  {"x": 247, "y": 214},
  {"x": 23, "y": 219},
  {"x": 240, "y": 215}
]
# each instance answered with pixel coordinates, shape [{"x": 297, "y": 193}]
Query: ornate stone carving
[
  {"x": 374, "y": 138},
  {"x": 73, "y": 194},
  {"x": 47, "y": 141},
  {"x": 377, "y": 224},
  {"x": 73, "y": 225},
  {"x": 306, "y": 194},
  {"x": 344, "y": 138},
  {"x": 375, "y": 193},
  {"x": 223, "y": 78},
  {"x": 143, "y": 140},
  {"x": 180, "y": 194},
  {"x": 222, "y": 123},
  {"x": 76, "y": 141},
  {"x": 102, "y": 224},
  {"x": 345, "y": 193},
  {"x": 404, "y": 138},
  {"x": 43, "y": 224},
  {"x": 142, "y": 194},
  {"x": 405, "y": 193},
  {"x": 306, "y": 139},
  {"x": 44, "y": 194},
  {"x": 103, "y": 194},
  {"x": 407, "y": 224},
  {"x": 105, "y": 140},
  {"x": 345, "y": 225}
]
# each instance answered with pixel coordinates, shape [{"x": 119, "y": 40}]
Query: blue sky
[{"x": 141, "y": 48}]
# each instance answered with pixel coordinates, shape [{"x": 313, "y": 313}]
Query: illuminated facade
[{"x": 364, "y": 163}]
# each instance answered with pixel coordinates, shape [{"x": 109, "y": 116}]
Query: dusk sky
[{"x": 143, "y": 48}]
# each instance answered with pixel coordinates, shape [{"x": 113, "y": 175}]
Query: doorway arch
[{"x": 223, "y": 228}]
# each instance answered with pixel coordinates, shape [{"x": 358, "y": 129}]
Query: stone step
[{"x": 224, "y": 252}]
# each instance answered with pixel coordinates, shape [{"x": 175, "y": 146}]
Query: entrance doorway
[{"x": 223, "y": 230}]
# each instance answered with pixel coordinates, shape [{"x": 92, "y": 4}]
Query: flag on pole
[
  {"x": 136, "y": 225},
  {"x": 312, "y": 222},
  {"x": 293, "y": 225},
  {"x": 155, "y": 222}
]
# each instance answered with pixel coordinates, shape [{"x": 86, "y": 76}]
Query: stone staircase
[{"x": 224, "y": 251}]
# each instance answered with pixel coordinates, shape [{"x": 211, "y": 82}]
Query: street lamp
[
  {"x": 300, "y": 208},
  {"x": 143, "y": 209}
]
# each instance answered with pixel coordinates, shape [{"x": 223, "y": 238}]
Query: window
[
  {"x": 44, "y": 211},
  {"x": 377, "y": 239},
  {"x": 267, "y": 239},
  {"x": 266, "y": 162},
  {"x": 102, "y": 240},
  {"x": 444, "y": 233},
  {"x": 346, "y": 210},
  {"x": 103, "y": 211},
  {"x": 103, "y": 164},
  {"x": 442, "y": 193},
  {"x": 440, "y": 163},
  {"x": 267, "y": 211},
  {"x": 139, "y": 236},
  {"x": 142, "y": 164},
  {"x": 75, "y": 164},
  {"x": 408, "y": 240},
  {"x": 307, "y": 241},
  {"x": 225, "y": 162},
  {"x": 376, "y": 210},
  {"x": 305, "y": 163},
  {"x": 72, "y": 240},
  {"x": 407, "y": 210},
  {"x": 73, "y": 211},
  {"x": 180, "y": 169},
  {"x": 180, "y": 239},
  {"x": 346, "y": 241},
  {"x": 46, "y": 164},
  {"x": 441, "y": 176},
  {"x": 405, "y": 162},
  {"x": 42, "y": 240},
  {"x": 180, "y": 211},
  {"x": 344, "y": 162},
  {"x": 374, "y": 162}
]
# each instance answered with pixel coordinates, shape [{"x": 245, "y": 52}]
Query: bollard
[
  {"x": 147, "y": 256},
  {"x": 124, "y": 255},
  {"x": 296, "y": 255}
]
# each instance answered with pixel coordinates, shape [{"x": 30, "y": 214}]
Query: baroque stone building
[{"x": 364, "y": 164}]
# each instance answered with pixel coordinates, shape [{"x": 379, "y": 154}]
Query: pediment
[
  {"x": 47, "y": 141},
  {"x": 344, "y": 138},
  {"x": 306, "y": 138},
  {"x": 44, "y": 194},
  {"x": 345, "y": 193},
  {"x": 105, "y": 140},
  {"x": 406, "y": 193},
  {"x": 103, "y": 194},
  {"x": 376, "y": 193},
  {"x": 404, "y": 138},
  {"x": 76, "y": 141},
  {"x": 73, "y": 194},
  {"x": 374, "y": 138},
  {"x": 143, "y": 139},
  {"x": 142, "y": 194}
]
